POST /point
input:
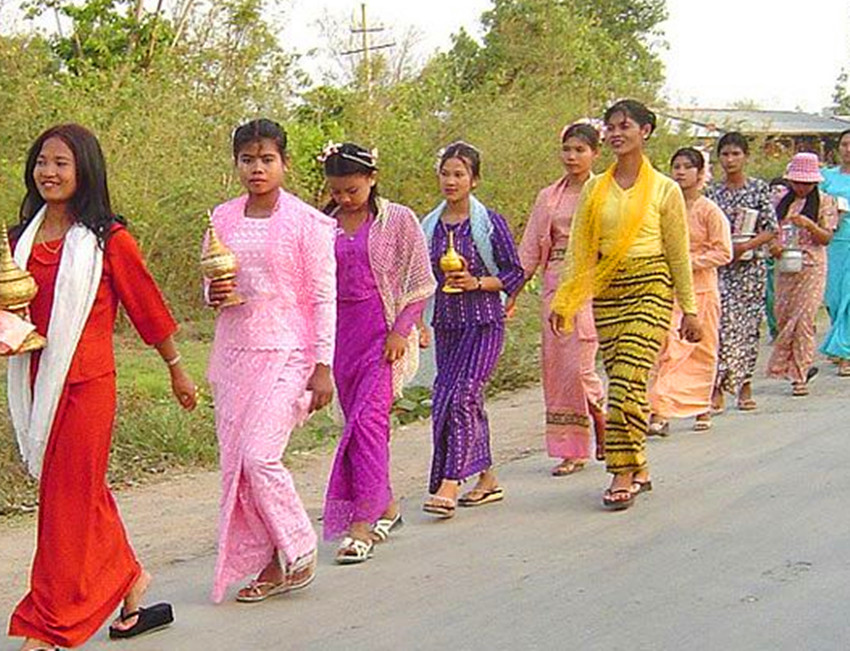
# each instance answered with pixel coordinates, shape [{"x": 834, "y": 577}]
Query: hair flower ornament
[
  {"x": 595, "y": 123},
  {"x": 329, "y": 150}
]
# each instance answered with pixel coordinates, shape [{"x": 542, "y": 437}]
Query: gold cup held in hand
[
  {"x": 219, "y": 263},
  {"x": 452, "y": 261},
  {"x": 17, "y": 289}
]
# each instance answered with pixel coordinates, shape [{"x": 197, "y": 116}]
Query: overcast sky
[{"x": 720, "y": 51}]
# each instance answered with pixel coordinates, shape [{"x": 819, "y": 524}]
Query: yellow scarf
[{"x": 587, "y": 274}]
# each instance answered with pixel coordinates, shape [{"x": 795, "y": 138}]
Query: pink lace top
[{"x": 286, "y": 276}]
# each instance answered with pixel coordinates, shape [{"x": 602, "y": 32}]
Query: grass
[{"x": 154, "y": 437}]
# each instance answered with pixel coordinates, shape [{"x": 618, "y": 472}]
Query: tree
[{"x": 840, "y": 95}]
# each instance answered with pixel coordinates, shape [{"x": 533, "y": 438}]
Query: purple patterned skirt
[{"x": 466, "y": 358}]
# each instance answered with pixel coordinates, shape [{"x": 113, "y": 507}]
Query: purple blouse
[
  {"x": 356, "y": 280},
  {"x": 453, "y": 311}
]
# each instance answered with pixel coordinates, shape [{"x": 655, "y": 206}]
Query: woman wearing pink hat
[{"x": 807, "y": 219}]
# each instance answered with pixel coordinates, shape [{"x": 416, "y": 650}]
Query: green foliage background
[{"x": 164, "y": 91}]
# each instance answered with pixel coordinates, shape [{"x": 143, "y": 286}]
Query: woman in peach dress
[
  {"x": 572, "y": 389},
  {"x": 685, "y": 374}
]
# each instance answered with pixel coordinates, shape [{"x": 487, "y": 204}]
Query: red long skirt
[{"x": 84, "y": 564}]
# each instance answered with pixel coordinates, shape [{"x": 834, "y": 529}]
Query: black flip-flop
[
  {"x": 495, "y": 494},
  {"x": 150, "y": 619}
]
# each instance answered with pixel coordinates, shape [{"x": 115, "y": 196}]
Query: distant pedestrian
[
  {"x": 807, "y": 220},
  {"x": 837, "y": 297},
  {"x": 746, "y": 203},
  {"x": 684, "y": 379}
]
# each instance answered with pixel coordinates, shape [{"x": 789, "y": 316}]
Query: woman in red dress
[{"x": 62, "y": 398}]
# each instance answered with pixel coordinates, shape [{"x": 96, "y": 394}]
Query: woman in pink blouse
[
  {"x": 572, "y": 389},
  {"x": 269, "y": 367}
]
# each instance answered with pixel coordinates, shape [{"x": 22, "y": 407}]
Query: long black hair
[
  {"x": 348, "y": 159},
  {"x": 811, "y": 208},
  {"x": 90, "y": 205}
]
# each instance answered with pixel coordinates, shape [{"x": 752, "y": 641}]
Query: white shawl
[{"x": 33, "y": 409}]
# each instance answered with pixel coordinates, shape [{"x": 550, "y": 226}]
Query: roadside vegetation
[{"x": 164, "y": 88}]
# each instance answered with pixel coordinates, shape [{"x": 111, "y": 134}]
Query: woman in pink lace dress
[
  {"x": 384, "y": 279},
  {"x": 269, "y": 367},
  {"x": 572, "y": 389}
]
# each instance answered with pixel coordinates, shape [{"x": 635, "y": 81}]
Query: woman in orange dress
[
  {"x": 685, "y": 376},
  {"x": 62, "y": 398}
]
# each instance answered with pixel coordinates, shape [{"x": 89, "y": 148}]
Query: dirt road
[{"x": 743, "y": 544}]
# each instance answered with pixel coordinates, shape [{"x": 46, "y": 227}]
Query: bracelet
[
  {"x": 480, "y": 284},
  {"x": 174, "y": 361}
]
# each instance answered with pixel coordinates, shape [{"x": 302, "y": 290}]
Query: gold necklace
[{"x": 52, "y": 251}]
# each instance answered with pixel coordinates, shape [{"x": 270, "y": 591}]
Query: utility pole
[{"x": 367, "y": 48}]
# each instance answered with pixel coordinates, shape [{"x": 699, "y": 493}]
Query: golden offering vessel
[
  {"x": 219, "y": 263},
  {"x": 17, "y": 289},
  {"x": 452, "y": 261}
]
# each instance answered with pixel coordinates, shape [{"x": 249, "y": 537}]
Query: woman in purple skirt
[
  {"x": 468, "y": 331},
  {"x": 383, "y": 282}
]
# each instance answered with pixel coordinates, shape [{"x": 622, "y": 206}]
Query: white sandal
[
  {"x": 384, "y": 526},
  {"x": 352, "y": 551}
]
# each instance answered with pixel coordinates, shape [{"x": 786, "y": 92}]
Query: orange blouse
[{"x": 125, "y": 280}]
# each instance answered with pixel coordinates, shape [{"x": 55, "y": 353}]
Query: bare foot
[{"x": 132, "y": 602}]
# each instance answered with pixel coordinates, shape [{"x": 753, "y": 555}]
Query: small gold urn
[
  {"x": 219, "y": 263},
  {"x": 452, "y": 261},
  {"x": 17, "y": 289}
]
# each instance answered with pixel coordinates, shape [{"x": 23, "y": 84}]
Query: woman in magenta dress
[
  {"x": 383, "y": 282},
  {"x": 573, "y": 392},
  {"x": 269, "y": 367}
]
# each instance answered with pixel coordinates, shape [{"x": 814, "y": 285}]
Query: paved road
[{"x": 744, "y": 544}]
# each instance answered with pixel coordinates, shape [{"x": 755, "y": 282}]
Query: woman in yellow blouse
[{"x": 629, "y": 251}]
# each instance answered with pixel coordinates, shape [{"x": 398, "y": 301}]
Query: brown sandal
[
  {"x": 568, "y": 467},
  {"x": 301, "y": 572},
  {"x": 611, "y": 503}
]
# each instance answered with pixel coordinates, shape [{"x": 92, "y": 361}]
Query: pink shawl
[
  {"x": 398, "y": 255},
  {"x": 536, "y": 242}
]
